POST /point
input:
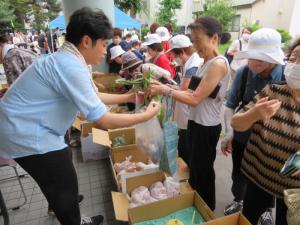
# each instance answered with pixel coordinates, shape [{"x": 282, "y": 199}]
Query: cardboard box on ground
[
  {"x": 120, "y": 200},
  {"x": 165, "y": 207},
  {"x": 119, "y": 154},
  {"x": 234, "y": 219}
]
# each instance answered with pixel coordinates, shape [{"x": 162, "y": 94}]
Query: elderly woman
[
  {"x": 204, "y": 120},
  {"x": 274, "y": 119}
]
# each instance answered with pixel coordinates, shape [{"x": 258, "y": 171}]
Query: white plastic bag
[{"x": 149, "y": 138}]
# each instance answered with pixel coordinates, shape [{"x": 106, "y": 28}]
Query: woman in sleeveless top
[{"x": 204, "y": 122}]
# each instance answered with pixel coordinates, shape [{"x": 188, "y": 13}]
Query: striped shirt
[{"x": 272, "y": 142}]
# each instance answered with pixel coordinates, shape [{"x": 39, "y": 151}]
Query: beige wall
[
  {"x": 295, "y": 26},
  {"x": 270, "y": 13},
  {"x": 184, "y": 15}
]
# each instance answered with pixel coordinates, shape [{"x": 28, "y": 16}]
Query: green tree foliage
[
  {"x": 34, "y": 12},
  {"x": 131, "y": 6},
  {"x": 285, "y": 36},
  {"x": 222, "y": 10},
  {"x": 253, "y": 26},
  {"x": 167, "y": 11},
  {"x": 6, "y": 15}
]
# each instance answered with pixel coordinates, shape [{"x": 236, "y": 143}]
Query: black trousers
[
  {"x": 183, "y": 151},
  {"x": 257, "y": 201},
  {"x": 55, "y": 174},
  {"x": 202, "y": 142},
  {"x": 239, "y": 183}
]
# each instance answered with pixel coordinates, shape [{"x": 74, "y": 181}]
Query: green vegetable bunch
[{"x": 141, "y": 83}]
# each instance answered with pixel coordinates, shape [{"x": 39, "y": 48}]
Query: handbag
[
  {"x": 168, "y": 162},
  {"x": 292, "y": 201}
]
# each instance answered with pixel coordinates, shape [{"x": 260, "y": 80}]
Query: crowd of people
[{"x": 261, "y": 115}]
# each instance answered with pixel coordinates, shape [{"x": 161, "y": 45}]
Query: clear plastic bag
[{"x": 149, "y": 138}]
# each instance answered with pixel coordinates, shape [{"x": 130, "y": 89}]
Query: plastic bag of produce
[{"x": 149, "y": 138}]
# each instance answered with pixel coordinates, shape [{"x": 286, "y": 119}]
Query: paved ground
[{"x": 95, "y": 182}]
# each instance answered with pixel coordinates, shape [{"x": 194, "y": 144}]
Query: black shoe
[
  {"x": 51, "y": 212},
  {"x": 95, "y": 220},
  {"x": 80, "y": 198},
  {"x": 233, "y": 207}
]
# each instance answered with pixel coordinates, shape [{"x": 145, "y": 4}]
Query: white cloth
[
  {"x": 181, "y": 112},
  {"x": 208, "y": 112},
  {"x": 6, "y": 48},
  {"x": 235, "y": 46}
]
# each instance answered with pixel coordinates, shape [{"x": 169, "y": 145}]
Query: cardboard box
[
  {"x": 105, "y": 138},
  {"x": 91, "y": 151},
  {"x": 119, "y": 154},
  {"x": 234, "y": 219},
  {"x": 121, "y": 202},
  {"x": 107, "y": 83},
  {"x": 3, "y": 85},
  {"x": 183, "y": 172},
  {"x": 163, "y": 208},
  {"x": 84, "y": 126}
]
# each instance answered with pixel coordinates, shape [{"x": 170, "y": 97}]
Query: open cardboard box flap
[
  {"x": 119, "y": 154},
  {"x": 105, "y": 138},
  {"x": 234, "y": 219},
  {"x": 165, "y": 207},
  {"x": 120, "y": 200},
  {"x": 84, "y": 126}
]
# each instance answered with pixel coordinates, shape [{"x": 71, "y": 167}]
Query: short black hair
[
  {"x": 86, "y": 21},
  {"x": 209, "y": 25},
  {"x": 117, "y": 32}
]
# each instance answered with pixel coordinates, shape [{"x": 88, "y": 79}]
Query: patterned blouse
[
  {"x": 16, "y": 61},
  {"x": 272, "y": 142}
]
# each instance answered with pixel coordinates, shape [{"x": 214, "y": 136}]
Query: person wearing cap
[
  {"x": 130, "y": 64},
  {"x": 165, "y": 36},
  {"x": 204, "y": 120},
  {"x": 113, "y": 66},
  {"x": 273, "y": 116},
  {"x": 265, "y": 66},
  {"x": 116, "y": 59},
  {"x": 156, "y": 53},
  {"x": 43, "y": 102},
  {"x": 135, "y": 49},
  {"x": 189, "y": 61}
]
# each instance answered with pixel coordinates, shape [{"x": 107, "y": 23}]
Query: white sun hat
[
  {"x": 163, "y": 33},
  {"x": 265, "y": 45},
  {"x": 152, "y": 39},
  {"x": 116, "y": 51},
  {"x": 179, "y": 41}
]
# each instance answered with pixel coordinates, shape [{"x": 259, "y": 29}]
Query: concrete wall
[
  {"x": 184, "y": 15},
  {"x": 273, "y": 13},
  {"x": 295, "y": 18}
]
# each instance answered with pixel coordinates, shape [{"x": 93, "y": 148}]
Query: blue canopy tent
[{"x": 122, "y": 21}]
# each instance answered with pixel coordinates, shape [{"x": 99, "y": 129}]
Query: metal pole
[{"x": 69, "y": 6}]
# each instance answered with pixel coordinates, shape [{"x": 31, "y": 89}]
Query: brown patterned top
[
  {"x": 272, "y": 142},
  {"x": 16, "y": 61}
]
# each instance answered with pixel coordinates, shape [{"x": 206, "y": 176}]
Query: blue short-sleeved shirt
[
  {"x": 253, "y": 86},
  {"x": 42, "y": 104}
]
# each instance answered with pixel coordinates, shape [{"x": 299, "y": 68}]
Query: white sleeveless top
[{"x": 208, "y": 112}]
